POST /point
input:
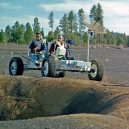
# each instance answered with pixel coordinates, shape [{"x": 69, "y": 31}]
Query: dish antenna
[{"x": 93, "y": 27}]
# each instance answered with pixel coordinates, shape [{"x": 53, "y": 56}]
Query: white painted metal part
[{"x": 74, "y": 65}]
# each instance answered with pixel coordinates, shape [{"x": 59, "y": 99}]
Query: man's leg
[{"x": 35, "y": 59}]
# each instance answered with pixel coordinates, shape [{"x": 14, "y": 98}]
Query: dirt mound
[
  {"x": 80, "y": 121},
  {"x": 29, "y": 97}
]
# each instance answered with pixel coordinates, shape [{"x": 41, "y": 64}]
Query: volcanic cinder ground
[
  {"x": 115, "y": 61},
  {"x": 72, "y": 102}
]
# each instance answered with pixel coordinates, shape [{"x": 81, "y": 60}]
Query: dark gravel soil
[
  {"x": 80, "y": 121},
  {"x": 116, "y": 62},
  {"x": 116, "y": 65}
]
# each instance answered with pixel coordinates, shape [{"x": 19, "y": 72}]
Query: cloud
[
  {"x": 6, "y": 5},
  {"x": 117, "y": 8},
  {"x": 116, "y": 13},
  {"x": 66, "y": 6},
  {"x": 118, "y": 24}
]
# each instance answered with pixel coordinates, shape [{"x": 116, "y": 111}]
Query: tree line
[{"x": 71, "y": 25}]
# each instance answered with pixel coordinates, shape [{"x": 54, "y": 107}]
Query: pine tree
[
  {"x": 81, "y": 21},
  {"x": 75, "y": 24},
  {"x": 125, "y": 39},
  {"x": 42, "y": 32},
  {"x": 113, "y": 38},
  {"x": 36, "y": 26},
  {"x": 63, "y": 25},
  {"x": 29, "y": 35},
  {"x": 21, "y": 33},
  {"x": 121, "y": 39},
  {"x": 94, "y": 16},
  {"x": 93, "y": 11},
  {"x": 14, "y": 33},
  {"x": 50, "y": 37},
  {"x": 99, "y": 14},
  {"x": 71, "y": 22},
  {"x": 18, "y": 33},
  {"x": 128, "y": 41},
  {"x": 57, "y": 31},
  {"x": 81, "y": 24},
  {"x": 3, "y": 38},
  {"x": 51, "y": 21},
  {"x": 8, "y": 33},
  {"x": 85, "y": 38}
]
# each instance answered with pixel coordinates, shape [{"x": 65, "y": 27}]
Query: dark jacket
[
  {"x": 35, "y": 43},
  {"x": 54, "y": 46}
]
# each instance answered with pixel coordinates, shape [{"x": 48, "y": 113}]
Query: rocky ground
[
  {"x": 80, "y": 121},
  {"x": 31, "y": 102},
  {"x": 115, "y": 60}
]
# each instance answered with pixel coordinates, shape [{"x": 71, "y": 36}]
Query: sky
[{"x": 116, "y": 12}]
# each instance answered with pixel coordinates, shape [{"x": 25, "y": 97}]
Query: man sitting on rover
[
  {"x": 37, "y": 45},
  {"x": 59, "y": 46}
]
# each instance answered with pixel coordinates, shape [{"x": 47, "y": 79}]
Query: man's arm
[
  {"x": 32, "y": 47},
  {"x": 52, "y": 48}
]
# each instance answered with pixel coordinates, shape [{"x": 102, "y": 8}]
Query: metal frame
[{"x": 74, "y": 66}]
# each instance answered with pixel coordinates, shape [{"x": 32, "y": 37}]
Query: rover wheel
[
  {"x": 97, "y": 71},
  {"x": 45, "y": 69},
  {"x": 52, "y": 66},
  {"x": 16, "y": 66}
]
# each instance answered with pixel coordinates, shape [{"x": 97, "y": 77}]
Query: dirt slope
[{"x": 29, "y": 97}]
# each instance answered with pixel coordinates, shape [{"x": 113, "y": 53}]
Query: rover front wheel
[
  {"x": 97, "y": 70},
  {"x": 45, "y": 69}
]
